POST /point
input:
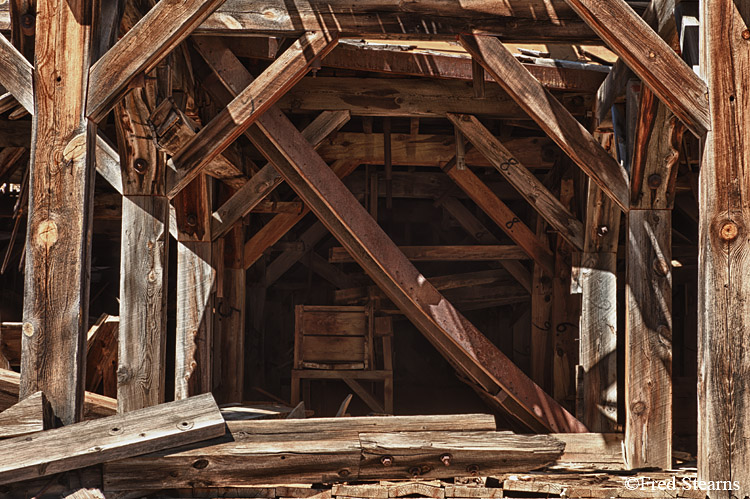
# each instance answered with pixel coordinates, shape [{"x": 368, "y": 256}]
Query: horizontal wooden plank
[
  {"x": 333, "y": 349},
  {"x": 334, "y": 323},
  {"x": 445, "y": 253},
  {"x": 116, "y": 437},
  {"x": 31, "y": 415}
]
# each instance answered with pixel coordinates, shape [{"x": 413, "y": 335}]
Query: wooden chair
[{"x": 338, "y": 342}]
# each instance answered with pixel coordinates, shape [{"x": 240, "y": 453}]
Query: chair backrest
[{"x": 329, "y": 337}]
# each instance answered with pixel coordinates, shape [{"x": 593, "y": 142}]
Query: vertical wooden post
[
  {"x": 195, "y": 285},
  {"x": 598, "y": 341},
  {"x": 58, "y": 241},
  {"x": 648, "y": 328},
  {"x": 229, "y": 316},
  {"x": 541, "y": 319},
  {"x": 143, "y": 261},
  {"x": 724, "y": 246}
]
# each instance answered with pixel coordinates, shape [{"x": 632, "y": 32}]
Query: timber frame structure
[{"x": 567, "y": 233}]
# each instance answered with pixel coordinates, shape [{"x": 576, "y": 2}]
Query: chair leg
[{"x": 296, "y": 381}]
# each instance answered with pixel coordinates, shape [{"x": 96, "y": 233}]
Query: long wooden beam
[
  {"x": 403, "y": 59},
  {"x": 444, "y": 253},
  {"x": 401, "y": 97},
  {"x": 267, "y": 179},
  {"x": 551, "y": 116},
  {"x": 248, "y": 105},
  {"x": 502, "y": 215},
  {"x": 651, "y": 58},
  {"x": 531, "y": 188},
  {"x": 163, "y": 28},
  {"x": 15, "y": 74},
  {"x": 723, "y": 249},
  {"x": 61, "y": 184}
]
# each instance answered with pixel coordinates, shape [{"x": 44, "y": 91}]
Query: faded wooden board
[
  {"x": 116, "y": 437},
  {"x": 31, "y": 415},
  {"x": 446, "y": 253},
  {"x": 723, "y": 306},
  {"x": 16, "y": 74},
  {"x": 61, "y": 182},
  {"x": 101, "y": 355}
]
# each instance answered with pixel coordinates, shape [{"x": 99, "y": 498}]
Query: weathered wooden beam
[
  {"x": 248, "y": 105},
  {"x": 312, "y": 236},
  {"x": 331, "y": 456},
  {"x": 407, "y": 60},
  {"x": 164, "y": 27},
  {"x": 531, "y": 188},
  {"x": 651, "y": 58},
  {"x": 502, "y": 216},
  {"x": 476, "y": 230},
  {"x": 282, "y": 223},
  {"x": 141, "y": 357},
  {"x": 349, "y": 222},
  {"x": 598, "y": 281},
  {"x": 196, "y": 281},
  {"x": 445, "y": 253},
  {"x": 521, "y": 21},
  {"x": 59, "y": 218},
  {"x": 267, "y": 179},
  {"x": 31, "y": 415},
  {"x": 116, "y": 437},
  {"x": 433, "y": 150},
  {"x": 411, "y": 98},
  {"x": 648, "y": 340},
  {"x": 551, "y": 116},
  {"x": 16, "y": 74},
  {"x": 723, "y": 307}
]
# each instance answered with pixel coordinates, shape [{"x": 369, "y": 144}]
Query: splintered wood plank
[
  {"x": 249, "y": 104},
  {"x": 723, "y": 251},
  {"x": 651, "y": 58},
  {"x": 94, "y": 405},
  {"x": 531, "y": 188},
  {"x": 16, "y": 74},
  {"x": 267, "y": 179},
  {"x": 116, "y": 437},
  {"x": 164, "y": 27},
  {"x": 648, "y": 340},
  {"x": 445, "y": 253},
  {"x": 61, "y": 183},
  {"x": 349, "y": 222},
  {"x": 143, "y": 285},
  {"x": 502, "y": 216},
  {"x": 551, "y": 116},
  {"x": 485, "y": 453},
  {"x": 30, "y": 415},
  {"x": 603, "y": 449}
]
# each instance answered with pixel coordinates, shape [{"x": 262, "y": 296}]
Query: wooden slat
[
  {"x": 59, "y": 214},
  {"x": 329, "y": 199},
  {"x": 288, "y": 258},
  {"x": 107, "y": 439},
  {"x": 502, "y": 216},
  {"x": 412, "y": 98},
  {"x": 247, "y": 107},
  {"x": 651, "y": 58},
  {"x": 551, "y": 116},
  {"x": 101, "y": 355},
  {"x": 445, "y": 253},
  {"x": 163, "y": 28},
  {"x": 723, "y": 307},
  {"x": 592, "y": 449},
  {"x": 31, "y": 415},
  {"x": 16, "y": 74},
  {"x": 94, "y": 405},
  {"x": 267, "y": 179},
  {"x": 531, "y": 188},
  {"x": 648, "y": 340}
]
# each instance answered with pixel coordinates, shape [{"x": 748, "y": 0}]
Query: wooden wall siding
[
  {"x": 723, "y": 446},
  {"x": 59, "y": 216}
]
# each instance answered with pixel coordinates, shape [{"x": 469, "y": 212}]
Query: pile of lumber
[{"x": 185, "y": 445}]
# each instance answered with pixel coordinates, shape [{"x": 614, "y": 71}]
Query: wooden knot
[
  {"x": 746, "y": 34},
  {"x": 660, "y": 266},
  {"x": 28, "y": 329},
  {"x": 638, "y": 407},
  {"x": 729, "y": 231},
  {"x": 140, "y": 165},
  {"x": 46, "y": 234},
  {"x": 654, "y": 181}
]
